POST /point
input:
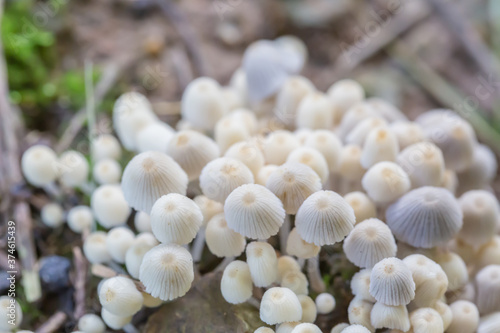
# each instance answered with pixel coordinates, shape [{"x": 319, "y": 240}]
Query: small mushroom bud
[
  {"x": 407, "y": 133},
  {"x": 264, "y": 174},
  {"x": 286, "y": 264},
  {"x": 455, "y": 269},
  {"x": 209, "y": 208},
  {"x": 80, "y": 218},
  {"x": 324, "y": 218},
  {"x": 359, "y": 313},
  {"x": 445, "y": 312},
  {"x": 287, "y": 327},
  {"x": 249, "y": 153},
  {"x": 355, "y": 329},
  {"x": 488, "y": 254},
  {"x": 380, "y": 145},
  {"x": 359, "y": 133},
  {"x": 52, "y": 215},
  {"x": 109, "y": 206},
  {"x": 296, "y": 281},
  {"x": 328, "y": 144},
  {"x": 73, "y": 169},
  {"x": 119, "y": 296},
  {"x": 425, "y": 217},
  {"x": 118, "y": 241},
  {"x": 107, "y": 171},
  {"x": 91, "y": 323},
  {"x": 221, "y": 176},
  {"x": 142, "y": 222},
  {"x": 360, "y": 285},
  {"x": 292, "y": 183},
  {"x": 344, "y": 94},
  {"x": 385, "y": 182},
  {"x": 236, "y": 284},
  {"x": 246, "y": 117},
  {"x": 369, "y": 242},
  {"x": 280, "y": 305},
  {"x": 309, "y": 311},
  {"x": 263, "y": 329},
  {"x": 203, "y": 103},
  {"x": 106, "y": 146},
  {"x": 11, "y": 314},
  {"x": 154, "y": 137},
  {"x": 424, "y": 164},
  {"x": 150, "y": 175},
  {"x": 298, "y": 247},
  {"x": 134, "y": 256},
  {"x": 426, "y": 320},
  {"x": 254, "y": 211},
  {"x": 391, "y": 282},
  {"x": 315, "y": 111},
  {"x": 222, "y": 241},
  {"x": 312, "y": 158},
  {"x": 465, "y": 317},
  {"x": 229, "y": 131},
  {"x": 325, "y": 303},
  {"x": 488, "y": 289},
  {"x": 192, "y": 151},
  {"x": 263, "y": 263},
  {"x": 113, "y": 321},
  {"x": 482, "y": 170},
  {"x": 393, "y": 317},
  {"x": 306, "y": 328},
  {"x": 350, "y": 166},
  {"x": 150, "y": 301},
  {"x": 339, "y": 328},
  {"x": 175, "y": 219},
  {"x": 167, "y": 271},
  {"x": 354, "y": 115},
  {"x": 278, "y": 145},
  {"x": 363, "y": 207},
  {"x": 289, "y": 97},
  {"x": 39, "y": 165},
  {"x": 94, "y": 248}
]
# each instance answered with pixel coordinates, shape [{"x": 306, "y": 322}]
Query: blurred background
[{"x": 416, "y": 54}]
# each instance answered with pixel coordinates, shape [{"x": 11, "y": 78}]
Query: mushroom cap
[
  {"x": 94, "y": 248},
  {"x": 73, "y": 169},
  {"x": 209, "y": 208},
  {"x": 230, "y": 130},
  {"x": 360, "y": 285},
  {"x": 254, "y": 211},
  {"x": 278, "y": 145},
  {"x": 264, "y": 173},
  {"x": 312, "y": 158},
  {"x": 339, "y": 327},
  {"x": 306, "y": 328},
  {"x": 353, "y": 116},
  {"x": 263, "y": 263},
  {"x": 118, "y": 241},
  {"x": 296, "y": 281},
  {"x": 357, "y": 136},
  {"x": 482, "y": 170},
  {"x": 345, "y": 93},
  {"x": 480, "y": 216},
  {"x": 328, "y": 144},
  {"x": 106, "y": 146},
  {"x": 295, "y": 49},
  {"x": 393, "y": 317},
  {"x": 154, "y": 137},
  {"x": 380, "y": 145},
  {"x": 298, "y": 247},
  {"x": 203, "y": 103},
  {"x": 425, "y": 217},
  {"x": 221, "y": 240},
  {"x": 279, "y": 305},
  {"x": 246, "y": 117},
  {"x": 407, "y": 133},
  {"x": 150, "y": 175},
  {"x": 134, "y": 257},
  {"x": 107, "y": 171},
  {"x": 455, "y": 269},
  {"x": 386, "y": 109},
  {"x": 424, "y": 164},
  {"x": 465, "y": 317},
  {"x": 80, "y": 218},
  {"x": 385, "y": 182},
  {"x": 286, "y": 264},
  {"x": 9, "y": 306},
  {"x": 426, "y": 320},
  {"x": 167, "y": 271},
  {"x": 430, "y": 280},
  {"x": 236, "y": 284},
  {"x": 355, "y": 329},
  {"x": 91, "y": 323},
  {"x": 264, "y": 329},
  {"x": 39, "y": 165},
  {"x": 249, "y": 153},
  {"x": 488, "y": 254},
  {"x": 325, "y": 303},
  {"x": 113, "y": 321},
  {"x": 109, "y": 205},
  {"x": 349, "y": 165},
  {"x": 289, "y": 97},
  {"x": 363, "y": 207},
  {"x": 175, "y": 219},
  {"x": 119, "y": 296},
  {"x": 287, "y": 327},
  {"x": 488, "y": 289},
  {"x": 315, "y": 111},
  {"x": 391, "y": 282},
  {"x": 221, "y": 176},
  {"x": 369, "y": 242},
  {"x": 292, "y": 183},
  {"x": 445, "y": 312},
  {"x": 324, "y": 218},
  {"x": 359, "y": 313},
  {"x": 309, "y": 311},
  {"x": 142, "y": 222},
  {"x": 150, "y": 301},
  {"x": 52, "y": 215}
]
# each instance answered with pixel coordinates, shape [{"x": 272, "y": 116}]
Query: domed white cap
[
  {"x": 142, "y": 222},
  {"x": 359, "y": 133},
  {"x": 119, "y": 296},
  {"x": 424, "y": 164},
  {"x": 363, "y": 207},
  {"x": 192, "y": 150},
  {"x": 113, "y": 321},
  {"x": 154, "y": 137},
  {"x": 118, "y": 241},
  {"x": 339, "y": 327},
  {"x": 94, "y": 248},
  {"x": 109, "y": 206},
  {"x": 465, "y": 317},
  {"x": 354, "y": 115},
  {"x": 369, "y": 242},
  {"x": 289, "y": 97},
  {"x": 349, "y": 166},
  {"x": 425, "y": 217},
  {"x": 254, "y": 211},
  {"x": 426, "y": 320},
  {"x": 309, "y": 311},
  {"x": 489, "y": 323},
  {"x": 80, "y": 218},
  {"x": 106, "y": 146},
  {"x": 167, "y": 271},
  {"x": 328, "y": 144},
  {"x": 175, "y": 219},
  {"x": 222, "y": 241},
  {"x": 91, "y": 323},
  {"x": 380, "y": 145},
  {"x": 286, "y": 264},
  {"x": 10, "y": 312},
  {"x": 359, "y": 311},
  {"x": 221, "y": 176},
  {"x": 52, "y": 215},
  {"x": 482, "y": 170},
  {"x": 279, "y": 305},
  {"x": 249, "y": 153},
  {"x": 228, "y": 131},
  {"x": 355, "y": 329},
  {"x": 393, "y": 317},
  {"x": 315, "y": 111},
  {"x": 360, "y": 285},
  {"x": 312, "y": 158},
  {"x": 298, "y": 247},
  {"x": 306, "y": 328},
  {"x": 264, "y": 173},
  {"x": 455, "y": 268},
  {"x": 324, "y": 218},
  {"x": 488, "y": 289},
  {"x": 325, "y": 303},
  {"x": 296, "y": 281},
  {"x": 292, "y": 183},
  {"x": 150, "y": 175},
  {"x": 385, "y": 182},
  {"x": 407, "y": 133},
  {"x": 345, "y": 93},
  {"x": 263, "y": 263},
  {"x": 203, "y": 103},
  {"x": 73, "y": 169},
  {"x": 445, "y": 312},
  {"x": 39, "y": 165},
  {"x": 209, "y": 208},
  {"x": 278, "y": 145},
  {"x": 236, "y": 284},
  {"x": 391, "y": 282},
  {"x": 264, "y": 329},
  {"x": 107, "y": 171},
  {"x": 134, "y": 257}
]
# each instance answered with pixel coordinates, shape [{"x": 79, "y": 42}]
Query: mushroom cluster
[{"x": 269, "y": 180}]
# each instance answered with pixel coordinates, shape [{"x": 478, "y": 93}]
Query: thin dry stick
[
  {"x": 81, "y": 267},
  {"x": 53, "y": 323}
]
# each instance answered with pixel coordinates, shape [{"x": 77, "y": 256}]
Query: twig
[
  {"x": 106, "y": 273},
  {"x": 53, "y": 323},
  {"x": 81, "y": 267}
]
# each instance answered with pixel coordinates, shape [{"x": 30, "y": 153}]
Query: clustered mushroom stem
[
  {"x": 301, "y": 262},
  {"x": 198, "y": 245},
  {"x": 314, "y": 275},
  {"x": 52, "y": 190},
  {"x": 226, "y": 261},
  {"x": 129, "y": 328},
  {"x": 284, "y": 232},
  {"x": 254, "y": 301}
]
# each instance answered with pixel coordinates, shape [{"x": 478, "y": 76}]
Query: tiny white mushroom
[
  {"x": 236, "y": 284},
  {"x": 325, "y": 303},
  {"x": 263, "y": 263},
  {"x": 109, "y": 206},
  {"x": 39, "y": 165},
  {"x": 280, "y": 305},
  {"x": 119, "y": 296},
  {"x": 391, "y": 282}
]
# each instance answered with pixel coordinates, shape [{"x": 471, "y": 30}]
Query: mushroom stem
[
  {"x": 198, "y": 245},
  {"x": 284, "y": 232},
  {"x": 301, "y": 262},
  {"x": 52, "y": 190},
  {"x": 314, "y": 275},
  {"x": 226, "y": 261},
  {"x": 254, "y": 301},
  {"x": 129, "y": 328}
]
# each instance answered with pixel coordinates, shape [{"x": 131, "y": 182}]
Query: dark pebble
[{"x": 54, "y": 273}]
